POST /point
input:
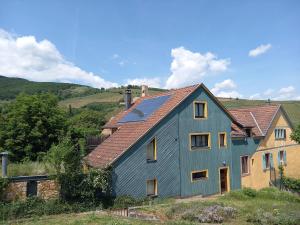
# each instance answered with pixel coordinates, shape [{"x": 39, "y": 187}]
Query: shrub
[
  {"x": 90, "y": 187},
  {"x": 291, "y": 184},
  {"x": 126, "y": 201},
  {"x": 261, "y": 217},
  {"x": 3, "y": 185},
  {"x": 249, "y": 192},
  {"x": 38, "y": 207},
  {"x": 274, "y": 193}
]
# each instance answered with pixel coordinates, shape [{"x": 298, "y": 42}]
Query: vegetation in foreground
[{"x": 267, "y": 206}]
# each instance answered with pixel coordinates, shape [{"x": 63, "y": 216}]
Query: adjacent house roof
[
  {"x": 129, "y": 133},
  {"x": 259, "y": 118}
]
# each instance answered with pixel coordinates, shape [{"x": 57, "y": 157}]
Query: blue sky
[{"x": 163, "y": 43}]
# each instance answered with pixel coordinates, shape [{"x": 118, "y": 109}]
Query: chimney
[
  {"x": 144, "y": 90},
  {"x": 127, "y": 98},
  {"x": 4, "y": 163}
]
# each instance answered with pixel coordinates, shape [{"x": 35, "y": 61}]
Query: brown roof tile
[
  {"x": 128, "y": 133},
  {"x": 257, "y": 117}
]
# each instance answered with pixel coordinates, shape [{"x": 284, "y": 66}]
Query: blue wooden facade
[{"x": 175, "y": 160}]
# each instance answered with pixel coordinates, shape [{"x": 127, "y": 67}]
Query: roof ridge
[
  {"x": 273, "y": 117},
  {"x": 256, "y": 123},
  {"x": 190, "y": 86}
]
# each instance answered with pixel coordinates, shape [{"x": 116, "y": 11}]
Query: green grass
[
  {"x": 110, "y": 95},
  {"x": 28, "y": 168},
  {"x": 268, "y": 206}
]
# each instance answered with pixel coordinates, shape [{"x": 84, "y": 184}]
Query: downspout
[{"x": 4, "y": 163}]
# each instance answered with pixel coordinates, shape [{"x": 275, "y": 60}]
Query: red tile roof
[
  {"x": 259, "y": 118},
  {"x": 129, "y": 133}
]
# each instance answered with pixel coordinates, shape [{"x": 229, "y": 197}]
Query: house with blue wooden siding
[{"x": 178, "y": 143}]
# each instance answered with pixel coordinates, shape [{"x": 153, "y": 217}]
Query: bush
[
  {"x": 90, "y": 187},
  {"x": 262, "y": 217},
  {"x": 291, "y": 184},
  {"x": 3, "y": 185},
  {"x": 275, "y": 194},
  {"x": 126, "y": 201},
  {"x": 249, "y": 192},
  {"x": 37, "y": 207}
]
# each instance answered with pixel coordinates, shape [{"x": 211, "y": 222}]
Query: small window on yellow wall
[
  {"x": 199, "y": 175},
  {"x": 200, "y": 110},
  {"x": 245, "y": 165},
  {"x": 222, "y": 140},
  {"x": 151, "y": 187},
  {"x": 151, "y": 150}
]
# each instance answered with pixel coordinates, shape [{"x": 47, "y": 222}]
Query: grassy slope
[
  {"x": 11, "y": 87},
  {"x": 110, "y": 95},
  {"x": 269, "y": 206}
]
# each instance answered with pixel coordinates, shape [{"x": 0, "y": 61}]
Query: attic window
[
  {"x": 200, "y": 110},
  {"x": 248, "y": 132},
  {"x": 280, "y": 134}
]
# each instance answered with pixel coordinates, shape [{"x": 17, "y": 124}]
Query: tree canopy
[
  {"x": 30, "y": 125},
  {"x": 296, "y": 134}
]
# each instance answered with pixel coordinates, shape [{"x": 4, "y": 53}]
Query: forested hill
[{"x": 11, "y": 87}]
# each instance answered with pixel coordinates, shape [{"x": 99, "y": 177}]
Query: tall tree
[{"x": 30, "y": 125}]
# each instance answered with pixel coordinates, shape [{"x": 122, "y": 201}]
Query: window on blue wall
[
  {"x": 200, "y": 141},
  {"x": 280, "y": 134},
  {"x": 199, "y": 175},
  {"x": 151, "y": 150},
  {"x": 151, "y": 187},
  {"x": 222, "y": 140},
  {"x": 200, "y": 110}
]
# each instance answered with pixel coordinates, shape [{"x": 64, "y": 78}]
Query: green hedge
[
  {"x": 38, "y": 207},
  {"x": 291, "y": 184}
]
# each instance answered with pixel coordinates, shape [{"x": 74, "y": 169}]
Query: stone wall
[
  {"x": 46, "y": 189},
  {"x": 15, "y": 191}
]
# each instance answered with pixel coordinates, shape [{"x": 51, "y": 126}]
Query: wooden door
[{"x": 224, "y": 180}]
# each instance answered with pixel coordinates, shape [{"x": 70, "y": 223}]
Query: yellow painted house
[{"x": 271, "y": 124}]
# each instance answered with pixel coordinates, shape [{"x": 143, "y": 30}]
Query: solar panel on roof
[{"x": 144, "y": 109}]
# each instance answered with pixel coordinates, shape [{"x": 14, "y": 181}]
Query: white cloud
[
  {"x": 255, "y": 96},
  {"x": 229, "y": 94},
  {"x": 226, "y": 89},
  {"x": 268, "y": 92},
  {"x": 122, "y": 63},
  {"x": 287, "y": 90},
  {"x": 190, "y": 67},
  {"x": 285, "y": 93},
  {"x": 226, "y": 84},
  {"x": 41, "y": 61},
  {"x": 259, "y": 50},
  {"x": 115, "y": 56},
  {"x": 151, "y": 82}
]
